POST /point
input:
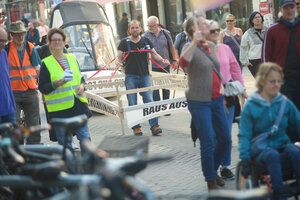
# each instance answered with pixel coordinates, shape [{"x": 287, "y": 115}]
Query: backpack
[
  {"x": 27, "y": 49},
  {"x": 182, "y": 41}
]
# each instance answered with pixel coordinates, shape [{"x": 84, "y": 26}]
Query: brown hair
[
  {"x": 133, "y": 22},
  {"x": 52, "y": 31},
  {"x": 264, "y": 70}
]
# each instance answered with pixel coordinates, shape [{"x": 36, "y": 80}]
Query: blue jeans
[
  {"x": 226, "y": 160},
  {"x": 211, "y": 125},
  {"x": 8, "y": 118},
  {"x": 134, "y": 82},
  {"x": 165, "y": 92},
  {"x": 269, "y": 160},
  {"x": 81, "y": 134}
]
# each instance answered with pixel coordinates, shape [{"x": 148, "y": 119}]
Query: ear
[{"x": 193, "y": 28}]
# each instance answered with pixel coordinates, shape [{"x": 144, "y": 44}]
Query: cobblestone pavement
[{"x": 181, "y": 177}]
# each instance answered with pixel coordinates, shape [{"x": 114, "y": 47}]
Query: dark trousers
[
  {"x": 165, "y": 92},
  {"x": 269, "y": 161},
  {"x": 254, "y": 68},
  {"x": 28, "y": 101},
  {"x": 291, "y": 89}
]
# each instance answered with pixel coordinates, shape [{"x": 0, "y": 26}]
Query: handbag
[
  {"x": 259, "y": 143},
  {"x": 233, "y": 88}
]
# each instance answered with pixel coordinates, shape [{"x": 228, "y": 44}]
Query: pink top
[{"x": 229, "y": 66}]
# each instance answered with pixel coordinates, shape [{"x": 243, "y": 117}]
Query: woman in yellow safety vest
[{"x": 63, "y": 87}]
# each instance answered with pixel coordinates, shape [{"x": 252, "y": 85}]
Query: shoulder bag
[
  {"x": 260, "y": 142},
  {"x": 232, "y": 88}
]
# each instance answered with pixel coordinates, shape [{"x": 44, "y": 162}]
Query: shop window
[{"x": 174, "y": 16}]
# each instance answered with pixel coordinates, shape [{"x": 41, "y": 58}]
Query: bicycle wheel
[{"x": 243, "y": 183}]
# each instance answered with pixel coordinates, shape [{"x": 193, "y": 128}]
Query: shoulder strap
[
  {"x": 259, "y": 36},
  {"x": 215, "y": 64},
  {"x": 279, "y": 116},
  {"x": 128, "y": 45},
  {"x": 232, "y": 37},
  {"x": 167, "y": 37}
]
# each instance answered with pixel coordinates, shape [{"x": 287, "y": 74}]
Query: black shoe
[{"x": 226, "y": 173}]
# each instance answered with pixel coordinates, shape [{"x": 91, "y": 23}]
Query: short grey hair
[{"x": 153, "y": 19}]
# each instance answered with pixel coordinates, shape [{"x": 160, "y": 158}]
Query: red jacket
[{"x": 275, "y": 45}]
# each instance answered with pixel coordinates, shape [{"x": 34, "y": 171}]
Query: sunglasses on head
[
  {"x": 230, "y": 20},
  {"x": 214, "y": 30}
]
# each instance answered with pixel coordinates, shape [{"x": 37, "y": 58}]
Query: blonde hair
[
  {"x": 264, "y": 70},
  {"x": 231, "y": 15}
]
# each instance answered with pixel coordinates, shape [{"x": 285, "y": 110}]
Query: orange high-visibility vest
[{"x": 22, "y": 77}]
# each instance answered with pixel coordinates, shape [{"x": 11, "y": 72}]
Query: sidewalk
[{"x": 180, "y": 178}]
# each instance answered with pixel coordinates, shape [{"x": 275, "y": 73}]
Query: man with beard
[{"x": 136, "y": 69}]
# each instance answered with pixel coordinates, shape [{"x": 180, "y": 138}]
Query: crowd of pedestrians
[
  {"x": 62, "y": 92},
  {"x": 210, "y": 57}
]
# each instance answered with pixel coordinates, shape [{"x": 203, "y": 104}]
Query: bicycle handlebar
[
  {"x": 70, "y": 123},
  {"x": 21, "y": 181}
]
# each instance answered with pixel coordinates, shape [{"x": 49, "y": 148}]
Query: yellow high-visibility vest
[{"x": 63, "y": 97}]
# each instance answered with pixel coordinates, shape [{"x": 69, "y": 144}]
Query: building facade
[{"x": 173, "y": 12}]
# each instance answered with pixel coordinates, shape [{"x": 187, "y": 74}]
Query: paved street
[{"x": 180, "y": 178}]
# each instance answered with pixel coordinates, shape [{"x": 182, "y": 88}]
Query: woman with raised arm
[{"x": 205, "y": 100}]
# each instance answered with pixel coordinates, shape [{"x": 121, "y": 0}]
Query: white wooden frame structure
[{"x": 138, "y": 113}]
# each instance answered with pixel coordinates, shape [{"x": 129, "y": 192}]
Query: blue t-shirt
[
  {"x": 35, "y": 56},
  {"x": 7, "y": 101}
]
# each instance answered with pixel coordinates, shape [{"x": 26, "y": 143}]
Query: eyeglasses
[
  {"x": 230, "y": 20},
  {"x": 273, "y": 82},
  {"x": 151, "y": 26},
  {"x": 57, "y": 40},
  {"x": 214, "y": 30},
  {"x": 298, "y": 4}
]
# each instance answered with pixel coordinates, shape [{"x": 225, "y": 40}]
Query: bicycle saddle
[
  {"x": 72, "y": 123},
  {"x": 43, "y": 171}
]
